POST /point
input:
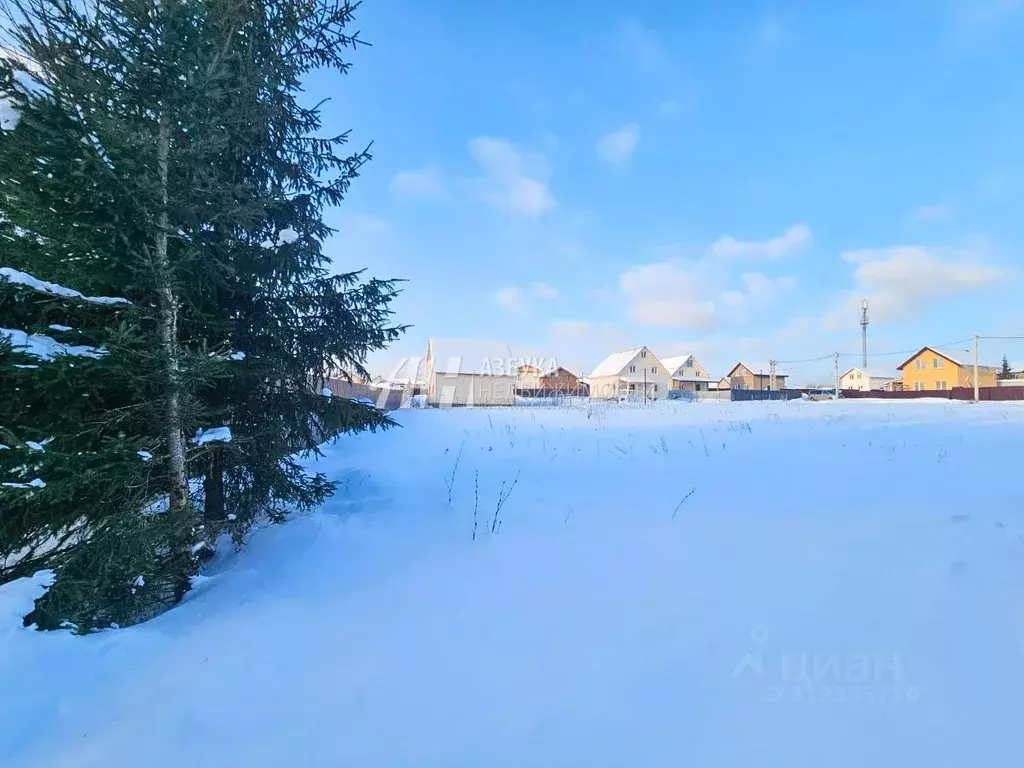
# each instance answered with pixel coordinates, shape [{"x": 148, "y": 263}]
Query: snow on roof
[
  {"x": 615, "y": 362},
  {"x": 481, "y": 357},
  {"x": 675, "y": 362},
  {"x": 23, "y": 278},
  {"x": 874, "y": 373}
]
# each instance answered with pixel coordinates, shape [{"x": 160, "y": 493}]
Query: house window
[
  {"x": 655, "y": 387},
  {"x": 632, "y": 369},
  {"x": 937, "y": 362},
  {"x": 919, "y": 364},
  {"x": 643, "y": 354},
  {"x": 918, "y": 386},
  {"x": 689, "y": 363},
  {"x": 632, "y": 387},
  {"x": 654, "y": 369},
  {"x": 940, "y": 385}
]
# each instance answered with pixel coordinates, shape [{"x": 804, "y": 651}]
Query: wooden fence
[{"x": 385, "y": 399}]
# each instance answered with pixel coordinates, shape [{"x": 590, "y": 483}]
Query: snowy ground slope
[{"x": 843, "y": 585}]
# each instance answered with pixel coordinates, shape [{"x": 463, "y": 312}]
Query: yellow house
[{"x": 929, "y": 369}]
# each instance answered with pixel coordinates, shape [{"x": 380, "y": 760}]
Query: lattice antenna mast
[{"x": 864, "y": 332}]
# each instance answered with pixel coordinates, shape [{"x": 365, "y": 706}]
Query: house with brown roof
[
  {"x": 744, "y": 376},
  {"x": 930, "y": 369},
  {"x": 562, "y": 380}
]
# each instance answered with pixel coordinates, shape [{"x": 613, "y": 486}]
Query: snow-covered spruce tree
[
  {"x": 89, "y": 198},
  {"x": 192, "y": 181},
  {"x": 273, "y": 299},
  {"x": 75, "y": 426}
]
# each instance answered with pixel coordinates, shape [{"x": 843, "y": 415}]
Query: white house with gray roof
[
  {"x": 633, "y": 373},
  {"x": 866, "y": 380}
]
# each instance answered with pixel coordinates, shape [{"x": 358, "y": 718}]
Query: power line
[
  {"x": 916, "y": 349},
  {"x": 893, "y": 353},
  {"x": 808, "y": 360}
]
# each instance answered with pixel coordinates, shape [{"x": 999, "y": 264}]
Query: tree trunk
[{"x": 169, "y": 335}]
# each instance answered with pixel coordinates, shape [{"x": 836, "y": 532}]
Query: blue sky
[{"x": 727, "y": 179}]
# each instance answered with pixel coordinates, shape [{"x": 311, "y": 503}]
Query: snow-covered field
[{"x": 748, "y": 584}]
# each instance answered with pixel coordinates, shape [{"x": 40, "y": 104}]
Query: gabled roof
[
  {"x": 934, "y": 350},
  {"x": 553, "y": 371},
  {"x": 615, "y": 362},
  {"x": 757, "y": 370},
  {"x": 873, "y": 373},
  {"x": 676, "y": 362}
]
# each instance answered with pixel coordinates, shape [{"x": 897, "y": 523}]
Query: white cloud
[
  {"x": 902, "y": 281},
  {"x": 664, "y": 294},
  {"x": 617, "y": 147},
  {"x": 582, "y": 344},
  {"x": 759, "y": 291},
  {"x": 510, "y": 298},
  {"x": 419, "y": 182},
  {"x": 702, "y": 294},
  {"x": 928, "y": 213},
  {"x": 793, "y": 239},
  {"x": 516, "y": 299},
  {"x": 512, "y": 181},
  {"x": 545, "y": 291}
]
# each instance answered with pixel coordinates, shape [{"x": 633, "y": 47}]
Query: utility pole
[
  {"x": 771, "y": 375},
  {"x": 645, "y": 385},
  {"x": 976, "y": 392},
  {"x": 864, "y": 333},
  {"x": 835, "y": 358}
]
